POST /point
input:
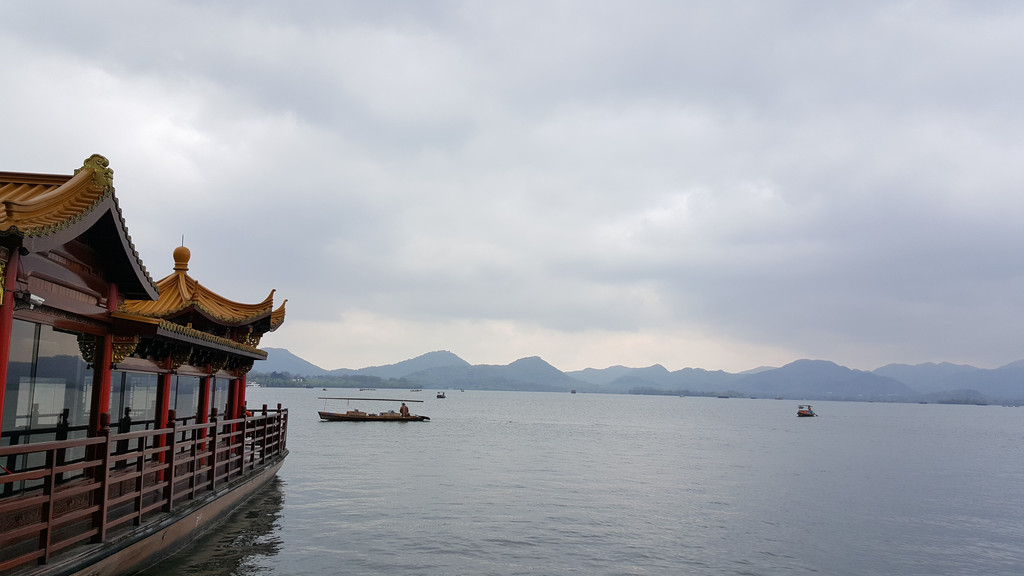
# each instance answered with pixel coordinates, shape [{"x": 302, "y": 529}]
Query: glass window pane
[
  {"x": 46, "y": 375},
  {"x": 186, "y": 399},
  {"x": 141, "y": 395}
]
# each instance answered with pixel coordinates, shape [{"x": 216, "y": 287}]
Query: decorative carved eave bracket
[
  {"x": 123, "y": 347},
  {"x": 87, "y": 345}
]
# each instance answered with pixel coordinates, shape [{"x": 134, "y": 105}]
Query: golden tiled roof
[
  {"x": 43, "y": 210},
  {"x": 277, "y": 317},
  {"x": 180, "y": 293},
  {"x": 35, "y": 204}
]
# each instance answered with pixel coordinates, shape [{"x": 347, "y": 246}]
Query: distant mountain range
[{"x": 802, "y": 379}]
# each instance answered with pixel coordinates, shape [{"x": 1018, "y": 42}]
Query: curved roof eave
[
  {"x": 48, "y": 211},
  {"x": 180, "y": 295},
  {"x": 223, "y": 320},
  {"x": 277, "y": 317}
]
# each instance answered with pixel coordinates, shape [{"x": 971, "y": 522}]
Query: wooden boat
[
  {"x": 804, "y": 410},
  {"x": 359, "y": 416},
  {"x": 356, "y": 415}
]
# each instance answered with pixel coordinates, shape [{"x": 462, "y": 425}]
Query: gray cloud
[{"x": 704, "y": 184}]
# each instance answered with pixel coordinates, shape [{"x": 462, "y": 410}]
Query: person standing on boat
[{"x": 404, "y": 410}]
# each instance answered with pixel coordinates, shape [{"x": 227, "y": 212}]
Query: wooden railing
[{"x": 53, "y": 501}]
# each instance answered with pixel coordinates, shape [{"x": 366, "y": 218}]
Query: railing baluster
[
  {"x": 140, "y": 469},
  {"x": 104, "y": 479},
  {"x": 193, "y": 465},
  {"x": 263, "y": 447},
  {"x": 104, "y": 496},
  {"x": 62, "y": 434},
  {"x": 213, "y": 450},
  {"x": 11, "y": 465},
  {"x": 51, "y": 481},
  {"x": 169, "y": 474}
]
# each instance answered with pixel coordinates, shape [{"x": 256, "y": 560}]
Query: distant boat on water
[
  {"x": 356, "y": 415},
  {"x": 804, "y": 410}
]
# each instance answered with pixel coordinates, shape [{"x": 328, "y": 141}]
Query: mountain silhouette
[{"x": 801, "y": 379}]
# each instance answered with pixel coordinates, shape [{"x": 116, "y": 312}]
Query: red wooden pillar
[
  {"x": 236, "y": 407},
  {"x": 243, "y": 383},
  {"x": 163, "y": 399},
  {"x": 10, "y": 259},
  {"x": 101, "y": 371},
  {"x": 231, "y": 410},
  {"x": 163, "y": 403},
  {"x": 203, "y": 411}
]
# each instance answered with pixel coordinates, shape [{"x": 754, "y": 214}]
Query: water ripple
[{"x": 548, "y": 484}]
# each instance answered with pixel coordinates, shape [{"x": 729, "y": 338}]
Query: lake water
[{"x": 510, "y": 483}]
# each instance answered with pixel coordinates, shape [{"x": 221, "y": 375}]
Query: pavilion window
[
  {"x": 220, "y": 396},
  {"x": 46, "y": 375},
  {"x": 185, "y": 395},
  {"x": 134, "y": 393}
]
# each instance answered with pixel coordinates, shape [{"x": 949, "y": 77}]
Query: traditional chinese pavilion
[{"x": 124, "y": 422}]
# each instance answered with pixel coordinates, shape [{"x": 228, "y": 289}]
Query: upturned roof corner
[
  {"x": 182, "y": 296},
  {"x": 43, "y": 211}
]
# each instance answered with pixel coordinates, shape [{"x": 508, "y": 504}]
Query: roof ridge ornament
[
  {"x": 181, "y": 257},
  {"x": 102, "y": 174}
]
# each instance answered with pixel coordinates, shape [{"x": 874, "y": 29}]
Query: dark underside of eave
[{"x": 102, "y": 230}]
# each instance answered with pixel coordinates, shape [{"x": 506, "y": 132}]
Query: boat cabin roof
[{"x": 366, "y": 399}]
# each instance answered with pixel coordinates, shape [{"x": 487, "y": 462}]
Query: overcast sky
[{"x": 718, "y": 185}]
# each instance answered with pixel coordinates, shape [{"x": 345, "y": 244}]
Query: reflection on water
[{"x": 235, "y": 546}]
